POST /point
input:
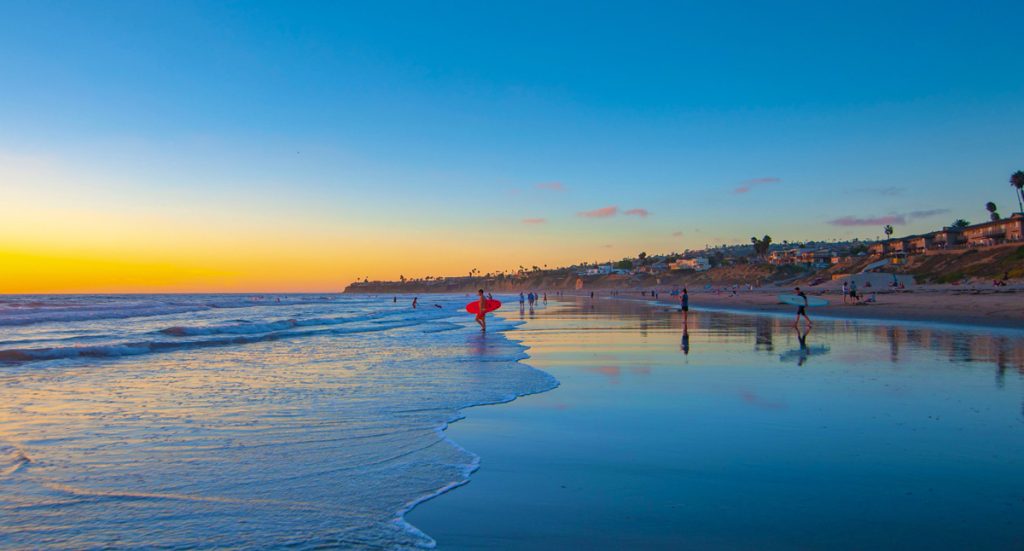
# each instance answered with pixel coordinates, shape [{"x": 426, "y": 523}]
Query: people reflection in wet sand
[
  {"x": 763, "y": 335},
  {"x": 804, "y": 351},
  {"x": 684, "y": 345}
]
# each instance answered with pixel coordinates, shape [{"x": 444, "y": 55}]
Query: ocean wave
[
  {"x": 18, "y": 311},
  {"x": 243, "y": 327},
  {"x": 115, "y": 350},
  {"x": 12, "y": 458},
  {"x": 15, "y": 317}
]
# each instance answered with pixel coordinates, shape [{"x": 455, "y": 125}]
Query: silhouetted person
[
  {"x": 801, "y": 310},
  {"x": 481, "y": 315},
  {"x": 684, "y": 305}
]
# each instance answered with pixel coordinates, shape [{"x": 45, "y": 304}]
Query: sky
[{"x": 298, "y": 146}]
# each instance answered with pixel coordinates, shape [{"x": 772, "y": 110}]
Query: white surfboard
[{"x": 796, "y": 300}]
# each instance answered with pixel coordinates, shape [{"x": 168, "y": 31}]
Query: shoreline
[
  {"x": 649, "y": 445},
  {"x": 460, "y": 415},
  {"x": 1003, "y": 310}
]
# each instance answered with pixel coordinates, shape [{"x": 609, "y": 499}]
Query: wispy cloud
[
  {"x": 747, "y": 185},
  {"x": 869, "y": 221},
  {"x": 535, "y": 220},
  {"x": 926, "y": 213},
  {"x": 642, "y": 213},
  {"x": 677, "y": 234},
  {"x": 551, "y": 186},
  {"x": 889, "y": 191},
  {"x": 606, "y": 246},
  {"x": 605, "y": 212},
  {"x": 892, "y": 218}
]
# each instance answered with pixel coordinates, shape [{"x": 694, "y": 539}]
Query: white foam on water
[{"x": 309, "y": 423}]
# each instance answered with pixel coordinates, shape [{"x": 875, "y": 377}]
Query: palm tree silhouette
[
  {"x": 991, "y": 208},
  {"x": 1017, "y": 181},
  {"x": 888, "y": 231}
]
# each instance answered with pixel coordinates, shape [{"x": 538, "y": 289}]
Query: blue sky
[{"x": 441, "y": 121}]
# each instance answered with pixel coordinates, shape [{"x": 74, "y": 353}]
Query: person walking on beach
[
  {"x": 846, "y": 291},
  {"x": 853, "y": 292},
  {"x": 802, "y": 309},
  {"x": 522, "y": 300},
  {"x": 684, "y": 305},
  {"x": 481, "y": 314}
]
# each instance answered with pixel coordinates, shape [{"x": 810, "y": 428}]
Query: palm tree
[
  {"x": 888, "y": 231},
  {"x": 1017, "y": 181},
  {"x": 991, "y": 208},
  {"x": 960, "y": 223}
]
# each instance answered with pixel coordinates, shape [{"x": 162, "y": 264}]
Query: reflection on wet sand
[{"x": 957, "y": 344}]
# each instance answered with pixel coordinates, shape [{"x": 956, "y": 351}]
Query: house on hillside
[
  {"x": 603, "y": 269},
  {"x": 697, "y": 264},
  {"x": 995, "y": 232},
  {"x": 947, "y": 238},
  {"x": 916, "y": 244},
  {"x": 879, "y": 248}
]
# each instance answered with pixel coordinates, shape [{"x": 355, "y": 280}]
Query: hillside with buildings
[{"x": 990, "y": 252}]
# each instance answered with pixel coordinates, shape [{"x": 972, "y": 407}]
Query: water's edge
[{"x": 474, "y": 465}]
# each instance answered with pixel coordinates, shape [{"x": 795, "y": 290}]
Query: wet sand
[
  {"x": 864, "y": 435},
  {"x": 981, "y": 307}
]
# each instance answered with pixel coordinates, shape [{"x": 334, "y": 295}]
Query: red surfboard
[{"x": 474, "y": 307}]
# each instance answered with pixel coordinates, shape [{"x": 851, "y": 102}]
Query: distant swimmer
[
  {"x": 394, "y": 299},
  {"x": 481, "y": 315},
  {"x": 414, "y": 301},
  {"x": 802, "y": 309}
]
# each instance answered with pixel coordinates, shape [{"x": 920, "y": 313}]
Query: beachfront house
[
  {"x": 838, "y": 257},
  {"x": 784, "y": 257},
  {"x": 603, "y": 269},
  {"x": 916, "y": 244},
  {"x": 995, "y": 232},
  {"x": 819, "y": 258},
  {"x": 697, "y": 264},
  {"x": 947, "y": 238}
]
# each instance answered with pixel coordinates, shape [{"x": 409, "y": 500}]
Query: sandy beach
[{"x": 744, "y": 433}]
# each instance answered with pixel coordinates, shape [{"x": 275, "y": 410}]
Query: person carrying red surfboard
[{"x": 481, "y": 315}]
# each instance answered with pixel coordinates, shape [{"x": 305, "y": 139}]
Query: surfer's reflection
[
  {"x": 805, "y": 350},
  {"x": 763, "y": 336},
  {"x": 477, "y": 344},
  {"x": 684, "y": 344}
]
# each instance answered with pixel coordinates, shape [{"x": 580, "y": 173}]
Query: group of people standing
[{"x": 533, "y": 299}]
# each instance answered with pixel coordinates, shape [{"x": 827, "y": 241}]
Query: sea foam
[{"x": 308, "y": 422}]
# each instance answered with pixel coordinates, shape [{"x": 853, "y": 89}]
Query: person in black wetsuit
[
  {"x": 684, "y": 305},
  {"x": 801, "y": 310}
]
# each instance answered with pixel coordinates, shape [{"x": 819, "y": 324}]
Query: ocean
[{"x": 236, "y": 421}]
